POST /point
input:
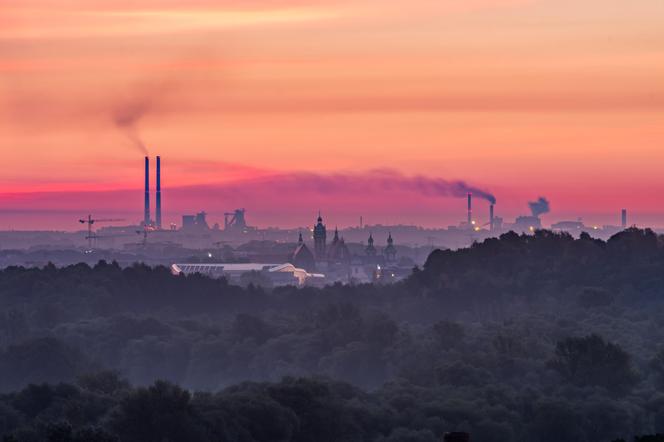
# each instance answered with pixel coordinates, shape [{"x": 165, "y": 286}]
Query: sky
[{"x": 254, "y": 103}]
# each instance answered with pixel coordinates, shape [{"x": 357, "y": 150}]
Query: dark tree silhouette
[{"x": 592, "y": 361}]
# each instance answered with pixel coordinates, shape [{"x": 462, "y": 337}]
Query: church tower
[
  {"x": 390, "y": 251},
  {"x": 370, "y": 250},
  {"x": 320, "y": 238}
]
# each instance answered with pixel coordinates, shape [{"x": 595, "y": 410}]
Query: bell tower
[{"x": 320, "y": 238}]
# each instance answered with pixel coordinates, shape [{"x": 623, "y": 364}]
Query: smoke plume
[
  {"x": 539, "y": 207},
  {"x": 145, "y": 98},
  {"x": 279, "y": 199},
  {"x": 127, "y": 116},
  {"x": 370, "y": 183}
]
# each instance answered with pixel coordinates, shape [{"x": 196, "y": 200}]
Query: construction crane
[{"x": 90, "y": 221}]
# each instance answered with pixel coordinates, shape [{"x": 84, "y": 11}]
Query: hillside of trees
[{"x": 520, "y": 338}]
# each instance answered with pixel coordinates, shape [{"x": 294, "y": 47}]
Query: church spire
[
  {"x": 370, "y": 250},
  {"x": 320, "y": 238},
  {"x": 390, "y": 251}
]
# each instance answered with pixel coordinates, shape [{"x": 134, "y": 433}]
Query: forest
[{"x": 541, "y": 337}]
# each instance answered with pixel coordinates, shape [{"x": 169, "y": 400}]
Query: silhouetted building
[
  {"x": 569, "y": 226},
  {"x": 235, "y": 220},
  {"x": 320, "y": 238},
  {"x": 302, "y": 256},
  {"x": 273, "y": 274},
  {"x": 198, "y": 221},
  {"x": 527, "y": 224},
  {"x": 390, "y": 251},
  {"x": 370, "y": 250},
  {"x": 338, "y": 252},
  {"x": 188, "y": 221}
]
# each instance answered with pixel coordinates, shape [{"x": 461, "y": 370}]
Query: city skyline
[{"x": 520, "y": 98}]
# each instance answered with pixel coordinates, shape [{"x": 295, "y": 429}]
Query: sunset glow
[{"x": 519, "y": 97}]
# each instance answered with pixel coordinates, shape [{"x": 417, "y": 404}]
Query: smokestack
[
  {"x": 470, "y": 209},
  {"x": 624, "y": 218},
  {"x": 146, "y": 210},
  {"x": 491, "y": 218},
  {"x": 158, "y": 208}
]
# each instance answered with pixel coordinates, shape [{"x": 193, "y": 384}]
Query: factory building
[
  {"x": 526, "y": 223},
  {"x": 569, "y": 226},
  {"x": 195, "y": 222},
  {"x": 276, "y": 274}
]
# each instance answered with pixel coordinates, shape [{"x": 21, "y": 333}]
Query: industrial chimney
[
  {"x": 624, "y": 218},
  {"x": 491, "y": 218},
  {"x": 470, "y": 210},
  {"x": 146, "y": 209},
  {"x": 158, "y": 205}
]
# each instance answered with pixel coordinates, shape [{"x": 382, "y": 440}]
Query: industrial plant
[{"x": 308, "y": 254}]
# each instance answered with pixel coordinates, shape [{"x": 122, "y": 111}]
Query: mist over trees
[{"x": 520, "y": 338}]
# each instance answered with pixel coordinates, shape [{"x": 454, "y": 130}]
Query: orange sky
[{"x": 560, "y": 98}]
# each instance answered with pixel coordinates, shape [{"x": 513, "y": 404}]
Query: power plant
[
  {"x": 235, "y": 227},
  {"x": 235, "y": 220}
]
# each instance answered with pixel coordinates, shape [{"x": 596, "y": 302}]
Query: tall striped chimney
[
  {"x": 491, "y": 217},
  {"x": 624, "y": 218},
  {"x": 146, "y": 207},
  {"x": 470, "y": 209},
  {"x": 158, "y": 208}
]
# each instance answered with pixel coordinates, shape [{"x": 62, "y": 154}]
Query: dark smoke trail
[
  {"x": 127, "y": 117},
  {"x": 372, "y": 182},
  {"x": 539, "y": 207}
]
